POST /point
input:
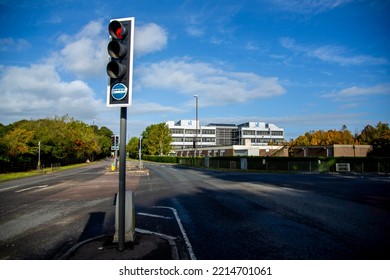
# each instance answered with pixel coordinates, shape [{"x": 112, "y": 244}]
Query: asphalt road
[
  {"x": 229, "y": 215},
  {"x": 43, "y": 216},
  {"x": 212, "y": 214}
]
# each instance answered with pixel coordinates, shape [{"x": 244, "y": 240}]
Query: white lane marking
[
  {"x": 30, "y": 188},
  {"x": 154, "y": 216},
  {"x": 171, "y": 240},
  {"x": 9, "y": 188},
  {"x": 155, "y": 233},
  {"x": 183, "y": 232}
]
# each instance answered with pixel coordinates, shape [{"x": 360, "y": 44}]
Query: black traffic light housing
[
  {"x": 114, "y": 142},
  {"x": 120, "y": 66}
]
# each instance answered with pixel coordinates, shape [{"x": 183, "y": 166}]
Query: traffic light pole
[
  {"x": 122, "y": 180},
  {"x": 119, "y": 94}
]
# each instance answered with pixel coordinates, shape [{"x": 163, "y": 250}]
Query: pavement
[{"x": 147, "y": 246}]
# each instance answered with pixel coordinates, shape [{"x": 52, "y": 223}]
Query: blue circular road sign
[{"x": 119, "y": 91}]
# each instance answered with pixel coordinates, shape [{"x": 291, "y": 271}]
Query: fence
[
  {"x": 6, "y": 167},
  {"x": 285, "y": 164},
  {"x": 45, "y": 168}
]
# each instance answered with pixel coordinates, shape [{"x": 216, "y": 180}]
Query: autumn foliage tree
[
  {"x": 60, "y": 138},
  {"x": 321, "y": 137},
  {"x": 378, "y": 137}
]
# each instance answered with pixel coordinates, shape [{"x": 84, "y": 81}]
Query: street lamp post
[
  {"x": 140, "y": 152},
  {"x": 196, "y": 131},
  {"x": 39, "y": 156}
]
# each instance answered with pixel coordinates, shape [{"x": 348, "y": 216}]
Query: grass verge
[{"x": 19, "y": 175}]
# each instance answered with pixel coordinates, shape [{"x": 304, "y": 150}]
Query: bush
[{"x": 166, "y": 159}]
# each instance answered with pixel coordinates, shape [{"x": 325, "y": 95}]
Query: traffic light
[
  {"x": 115, "y": 142},
  {"x": 120, "y": 66}
]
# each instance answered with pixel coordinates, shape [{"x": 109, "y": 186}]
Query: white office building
[
  {"x": 185, "y": 132},
  {"x": 260, "y": 134}
]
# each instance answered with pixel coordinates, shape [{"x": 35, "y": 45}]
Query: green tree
[
  {"x": 17, "y": 142},
  {"x": 378, "y": 137},
  {"x": 367, "y": 135},
  {"x": 104, "y": 141},
  {"x": 157, "y": 139},
  {"x": 60, "y": 138},
  {"x": 81, "y": 140},
  {"x": 132, "y": 147},
  {"x": 51, "y": 133},
  {"x": 3, "y": 145},
  {"x": 105, "y": 131}
]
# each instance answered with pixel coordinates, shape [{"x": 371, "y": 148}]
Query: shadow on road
[{"x": 94, "y": 226}]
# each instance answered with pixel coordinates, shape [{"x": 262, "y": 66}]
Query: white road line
[
  {"x": 183, "y": 232},
  {"x": 30, "y": 188},
  {"x": 154, "y": 216},
  {"x": 171, "y": 240},
  {"x": 155, "y": 233},
  {"x": 9, "y": 188}
]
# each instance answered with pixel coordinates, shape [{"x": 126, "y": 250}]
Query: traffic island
[{"x": 145, "y": 247}]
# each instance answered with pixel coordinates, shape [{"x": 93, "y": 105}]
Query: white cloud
[
  {"x": 217, "y": 86},
  {"x": 39, "y": 92},
  {"x": 10, "y": 44},
  {"x": 149, "y": 38},
  {"x": 382, "y": 89},
  {"x": 141, "y": 108},
  {"x": 216, "y": 41},
  {"x": 336, "y": 54},
  {"x": 85, "y": 53},
  {"x": 194, "y": 31},
  {"x": 251, "y": 46},
  {"x": 309, "y": 6},
  {"x": 331, "y": 53}
]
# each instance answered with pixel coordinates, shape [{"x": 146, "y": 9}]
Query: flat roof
[{"x": 222, "y": 124}]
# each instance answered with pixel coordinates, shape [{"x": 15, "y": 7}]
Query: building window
[
  {"x": 263, "y": 132},
  {"x": 208, "y": 140},
  {"x": 226, "y": 136},
  {"x": 177, "y": 131},
  {"x": 277, "y": 133},
  {"x": 208, "y": 131},
  {"x": 191, "y": 131},
  {"x": 249, "y": 132}
]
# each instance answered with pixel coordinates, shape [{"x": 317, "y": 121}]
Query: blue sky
[{"x": 300, "y": 64}]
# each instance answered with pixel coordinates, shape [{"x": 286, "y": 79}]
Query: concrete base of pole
[{"x": 129, "y": 218}]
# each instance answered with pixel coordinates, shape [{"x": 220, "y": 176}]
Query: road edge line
[{"x": 183, "y": 232}]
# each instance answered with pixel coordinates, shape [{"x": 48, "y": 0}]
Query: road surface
[
  {"x": 230, "y": 215},
  {"x": 212, "y": 214}
]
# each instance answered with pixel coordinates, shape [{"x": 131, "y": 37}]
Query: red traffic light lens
[
  {"x": 117, "y": 30},
  {"x": 118, "y": 33}
]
